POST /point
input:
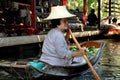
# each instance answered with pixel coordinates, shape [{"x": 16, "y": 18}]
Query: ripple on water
[{"x": 110, "y": 62}]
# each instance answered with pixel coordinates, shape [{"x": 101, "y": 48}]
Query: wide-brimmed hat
[{"x": 58, "y": 12}]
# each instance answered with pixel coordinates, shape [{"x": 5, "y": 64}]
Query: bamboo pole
[{"x": 85, "y": 57}]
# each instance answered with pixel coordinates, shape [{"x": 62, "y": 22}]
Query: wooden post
[
  {"x": 33, "y": 13},
  {"x": 84, "y": 12}
]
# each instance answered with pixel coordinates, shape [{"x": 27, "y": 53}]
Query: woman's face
[{"x": 63, "y": 24}]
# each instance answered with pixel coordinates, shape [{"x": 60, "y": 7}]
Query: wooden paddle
[{"x": 85, "y": 57}]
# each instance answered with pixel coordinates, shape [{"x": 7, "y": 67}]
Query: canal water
[{"x": 108, "y": 67}]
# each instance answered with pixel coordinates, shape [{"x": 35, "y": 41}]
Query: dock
[{"x": 20, "y": 40}]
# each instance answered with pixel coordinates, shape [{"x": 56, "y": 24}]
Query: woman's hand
[{"x": 81, "y": 52}]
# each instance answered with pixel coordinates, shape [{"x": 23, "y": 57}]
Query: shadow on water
[{"x": 108, "y": 67}]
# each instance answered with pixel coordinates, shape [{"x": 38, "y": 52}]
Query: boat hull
[{"x": 76, "y": 69}]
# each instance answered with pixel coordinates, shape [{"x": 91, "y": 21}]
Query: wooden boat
[
  {"x": 65, "y": 71},
  {"x": 75, "y": 68},
  {"x": 114, "y": 31}
]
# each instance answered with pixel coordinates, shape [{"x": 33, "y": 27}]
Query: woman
[{"x": 55, "y": 50}]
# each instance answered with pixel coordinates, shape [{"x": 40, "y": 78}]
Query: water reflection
[{"x": 110, "y": 61}]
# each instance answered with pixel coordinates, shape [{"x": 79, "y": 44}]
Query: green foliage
[
  {"x": 90, "y": 51},
  {"x": 90, "y": 5},
  {"x": 75, "y": 4},
  {"x": 73, "y": 48},
  {"x": 78, "y": 4}
]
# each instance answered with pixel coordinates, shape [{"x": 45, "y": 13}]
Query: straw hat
[{"x": 58, "y": 12}]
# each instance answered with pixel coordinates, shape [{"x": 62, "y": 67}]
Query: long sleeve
[{"x": 55, "y": 49}]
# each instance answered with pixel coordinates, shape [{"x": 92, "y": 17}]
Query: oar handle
[{"x": 85, "y": 57}]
